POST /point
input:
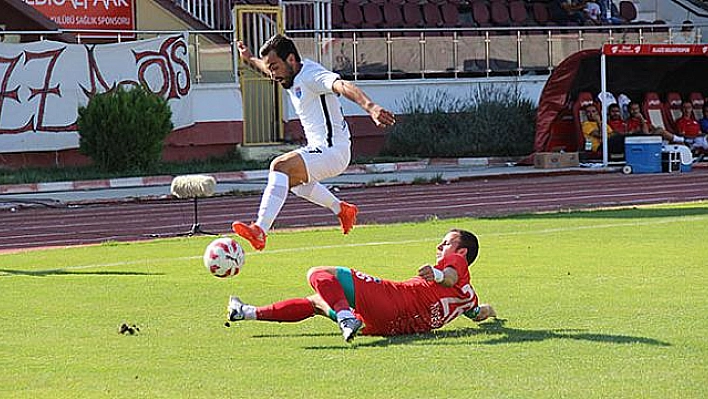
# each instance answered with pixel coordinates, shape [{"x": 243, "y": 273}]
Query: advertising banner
[
  {"x": 89, "y": 14},
  {"x": 655, "y": 49}
]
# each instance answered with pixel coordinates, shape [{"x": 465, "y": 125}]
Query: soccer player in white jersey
[{"x": 313, "y": 91}]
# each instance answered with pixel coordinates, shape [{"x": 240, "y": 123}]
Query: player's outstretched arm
[
  {"x": 380, "y": 116},
  {"x": 248, "y": 57},
  {"x": 446, "y": 277},
  {"x": 485, "y": 311}
]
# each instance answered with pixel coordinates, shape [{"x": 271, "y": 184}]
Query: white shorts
[{"x": 325, "y": 162}]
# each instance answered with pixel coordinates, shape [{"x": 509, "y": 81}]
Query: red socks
[
  {"x": 297, "y": 309},
  {"x": 330, "y": 290},
  {"x": 291, "y": 310}
]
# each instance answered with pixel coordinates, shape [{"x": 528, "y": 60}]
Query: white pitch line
[{"x": 381, "y": 243}]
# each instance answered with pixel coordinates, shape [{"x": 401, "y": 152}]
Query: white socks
[
  {"x": 249, "y": 312},
  {"x": 276, "y": 192},
  {"x": 274, "y": 196},
  {"x": 345, "y": 314},
  {"x": 318, "y": 194}
]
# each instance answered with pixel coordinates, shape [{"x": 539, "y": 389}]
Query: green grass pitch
[{"x": 602, "y": 304}]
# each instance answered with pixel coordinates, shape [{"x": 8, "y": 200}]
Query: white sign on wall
[{"x": 42, "y": 85}]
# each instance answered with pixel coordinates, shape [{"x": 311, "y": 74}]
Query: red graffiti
[
  {"x": 95, "y": 76},
  {"x": 4, "y": 93},
  {"x": 45, "y": 90},
  {"x": 165, "y": 60},
  {"x": 173, "y": 81}
]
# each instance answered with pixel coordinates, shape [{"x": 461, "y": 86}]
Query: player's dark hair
[
  {"x": 612, "y": 106},
  {"x": 468, "y": 240},
  {"x": 282, "y": 45}
]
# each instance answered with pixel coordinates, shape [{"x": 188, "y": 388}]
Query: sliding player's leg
[{"x": 334, "y": 285}]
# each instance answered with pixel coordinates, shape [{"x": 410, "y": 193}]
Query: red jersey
[
  {"x": 688, "y": 127},
  {"x": 415, "y": 305},
  {"x": 618, "y": 125},
  {"x": 631, "y": 125},
  {"x": 635, "y": 125}
]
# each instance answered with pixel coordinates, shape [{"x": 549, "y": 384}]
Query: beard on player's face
[
  {"x": 281, "y": 70},
  {"x": 287, "y": 80}
]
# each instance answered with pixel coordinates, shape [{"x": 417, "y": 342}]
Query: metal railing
[
  {"x": 408, "y": 53},
  {"x": 457, "y": 52},
  {"x": 216, "y": 14}
]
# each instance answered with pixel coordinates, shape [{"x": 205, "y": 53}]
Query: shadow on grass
[
  {"x": 498, "y": 333},
  {"x": 63, "y": 272},
  {"x": 304, "y": 335},
  {"x": 624, "y": 213}
]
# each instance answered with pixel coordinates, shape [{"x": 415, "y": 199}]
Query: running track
[{"x": 91, "y": 223}]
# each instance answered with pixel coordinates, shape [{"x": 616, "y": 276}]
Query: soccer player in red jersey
[
  {"x": 687, "y": 125},
  {"x": 636, "y": 124},
  {"x": 433, "y": 298}
]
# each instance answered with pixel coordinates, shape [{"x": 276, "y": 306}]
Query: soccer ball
[{"x": 224, "y": 257}]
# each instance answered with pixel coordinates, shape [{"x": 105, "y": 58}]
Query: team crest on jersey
[{"x": 298, "y": 92}]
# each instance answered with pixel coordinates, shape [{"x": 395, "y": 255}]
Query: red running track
[{"x": 85, "y": 223}]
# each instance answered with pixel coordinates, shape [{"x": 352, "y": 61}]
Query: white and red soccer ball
[{"x": 224, "y": 257}]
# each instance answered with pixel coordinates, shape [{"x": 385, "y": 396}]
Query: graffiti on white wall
[{"x": 43, "y": 84}]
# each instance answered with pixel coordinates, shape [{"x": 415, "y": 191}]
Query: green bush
[
  {"x": 492, "y": 121},
  {"x": 123, "y": 130}
]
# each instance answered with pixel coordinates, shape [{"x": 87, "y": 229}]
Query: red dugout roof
[
  {"x": 632, "y": 69},
  {"x": 672, "y": 50}
]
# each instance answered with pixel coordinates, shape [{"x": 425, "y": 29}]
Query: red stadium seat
[
  {"x": 431, "y": 13},
  {"x": 628, "y": 11},
  {"x": 393, "y": 15},
  {"x": 480, "y": 14},
  {"x": 697, "y": 101},
  {"x": 499, "y": 12},
  {"x": 353, "y": 16},
  {"x": 541, "y": 14},
  {"x": 673, "y": 108},
  {"x": 584, "y": 99},
  {"x": 337, "y": 16},
  {"x": 518, "y": 14},
  {"x": 450, "y": 15},
  {"x": 373, "y": 18},
  {"x": 413, "y": 16},
  {"x": 563, "y": 134},
  {"x": 654, "y": 110}
]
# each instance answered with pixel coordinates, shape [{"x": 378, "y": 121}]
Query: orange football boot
[
  {"x": 347, "y": 216},
  {"x": 253, "y": 233}
]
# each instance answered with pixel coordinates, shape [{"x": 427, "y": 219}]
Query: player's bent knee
[
  {"x": 292, "y": 165},
  {"x": 320, "y": 269},
  {"x": 312, "y": 271},
  {"x": 279, "y": 165}
]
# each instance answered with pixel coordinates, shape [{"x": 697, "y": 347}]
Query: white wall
[
  {"x": 216, "y": 102},
  {"x": 387, "y": 93},
  {"x": 222, "y": 102}
]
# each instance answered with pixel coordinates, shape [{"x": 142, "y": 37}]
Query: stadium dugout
[{"x": 633, "y": 70}]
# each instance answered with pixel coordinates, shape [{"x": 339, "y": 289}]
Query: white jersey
[{"x": 318, "y": 107}]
